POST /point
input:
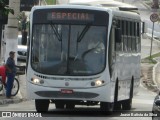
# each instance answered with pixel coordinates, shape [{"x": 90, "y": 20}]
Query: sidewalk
[
  {"x": 21, "y": 96},
  {"x": 150, "y": 72},
  {"x": 15, "y": 99}
]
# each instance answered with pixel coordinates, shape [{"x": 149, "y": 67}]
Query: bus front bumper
[{"x": 102, "y": 93}]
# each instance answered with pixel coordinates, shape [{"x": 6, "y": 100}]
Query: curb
[
  {"x": 154, "y": 75},
  {"x": 16, "y": 99},
  {"x": 10, "y": 101}
]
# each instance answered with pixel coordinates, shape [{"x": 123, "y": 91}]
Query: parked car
[
  {"x": 156, "y": 108},
  {"x": 21, "y": 49}
]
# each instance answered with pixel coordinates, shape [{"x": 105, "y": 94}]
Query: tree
[
  {"x": 23, "y": 26},
  {"x": 155, "y": 4},
  {"x": 4, "y": 11},
  {"x": 21, "y": 16},
  {"x": 4, "y": 8}
]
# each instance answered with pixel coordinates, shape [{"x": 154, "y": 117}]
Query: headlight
[
  {"x": 98, "y": 82},
  {"x": 35, "y": 80}
]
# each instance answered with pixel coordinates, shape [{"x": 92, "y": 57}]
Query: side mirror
[
  {"x": 118, "y": 34},
  {"x": 157, "y": 102}
]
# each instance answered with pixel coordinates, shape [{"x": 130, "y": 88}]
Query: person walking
[{"x": 11, "y": 72}]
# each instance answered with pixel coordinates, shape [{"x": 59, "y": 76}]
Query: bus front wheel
[
  {"x": 59, "y": 105},
  {"x": 70, "y": 106},
  {"x": 127, "y": 104},
  {"x": 106, "y": 107},
  {"x": 41, "y": 105}
]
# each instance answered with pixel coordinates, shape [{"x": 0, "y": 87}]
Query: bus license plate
[{"x": 65, "y": 91}]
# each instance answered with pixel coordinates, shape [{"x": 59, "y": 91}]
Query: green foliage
[
  {"x": 4, "y": 9},
  {"x": 51, "y": 2},
  {"x": 156, "y": 55},
  {"x": 20, "y": 18},
  {"x": 151, "y": 59}
]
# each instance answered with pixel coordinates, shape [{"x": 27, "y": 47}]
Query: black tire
[
  {"x": 15, "y": 87},
  {"x": 117, "y": 104},
  {"x": 70, "y": 106},
  {"x": 1, "y": 86},
  {"x": 41, "y": 105},
  {"x": 127, "y": 104},
  {"x": 59, "y": 105},
  {"x": 107, "y": 108}
]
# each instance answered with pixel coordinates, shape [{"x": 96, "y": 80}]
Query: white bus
[{"x": 84, "y": 55}]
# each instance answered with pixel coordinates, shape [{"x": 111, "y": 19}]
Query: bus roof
[
  {"x": 114, "y": 5},
  {"x": 118, "y": 8},
  {"x": 128, "y": 15}
]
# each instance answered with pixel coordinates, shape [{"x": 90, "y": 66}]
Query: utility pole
[{"x": 11, "y": 30}]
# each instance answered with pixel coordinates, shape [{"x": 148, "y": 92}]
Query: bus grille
[{"x": 58, "y": 94}]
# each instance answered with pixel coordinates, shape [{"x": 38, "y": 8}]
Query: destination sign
[
  {"x": 76, "y": 16},
  {"x": 70, "y": 16}
]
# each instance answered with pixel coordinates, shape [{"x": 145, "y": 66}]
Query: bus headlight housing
[
  {"x": 97, "y": 83},
  {"x": 37, "y": 81}
]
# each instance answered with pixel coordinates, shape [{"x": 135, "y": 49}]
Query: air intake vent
[{"x": 64, "y": 78}]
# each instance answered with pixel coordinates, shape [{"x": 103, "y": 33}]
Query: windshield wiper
[
  {"x": 84, "y": 31},
  {"x": 80, "y": 37},
  {"x": 59, "y": 37}
]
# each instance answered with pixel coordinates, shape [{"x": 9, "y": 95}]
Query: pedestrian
[
  {"x": 3, "y": 74},
  {"x": 11, "y": 72}
]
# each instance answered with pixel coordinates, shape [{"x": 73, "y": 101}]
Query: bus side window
[
  {"x": 125, "y": 48},
  {"x": 129, "y": 37},
  {"x": 118, "y": 36},
  {"x": 138, "y": 37},
  {"x": 133, "y": 38}
]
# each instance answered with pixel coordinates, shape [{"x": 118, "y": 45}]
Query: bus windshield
[{"x": 59, "y": 49}]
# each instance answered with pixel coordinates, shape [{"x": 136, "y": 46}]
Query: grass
[
  {"x": 151, "y": 59},
  {"x": 51, "y": 2},
  {"x": 156, "y": 55}
]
